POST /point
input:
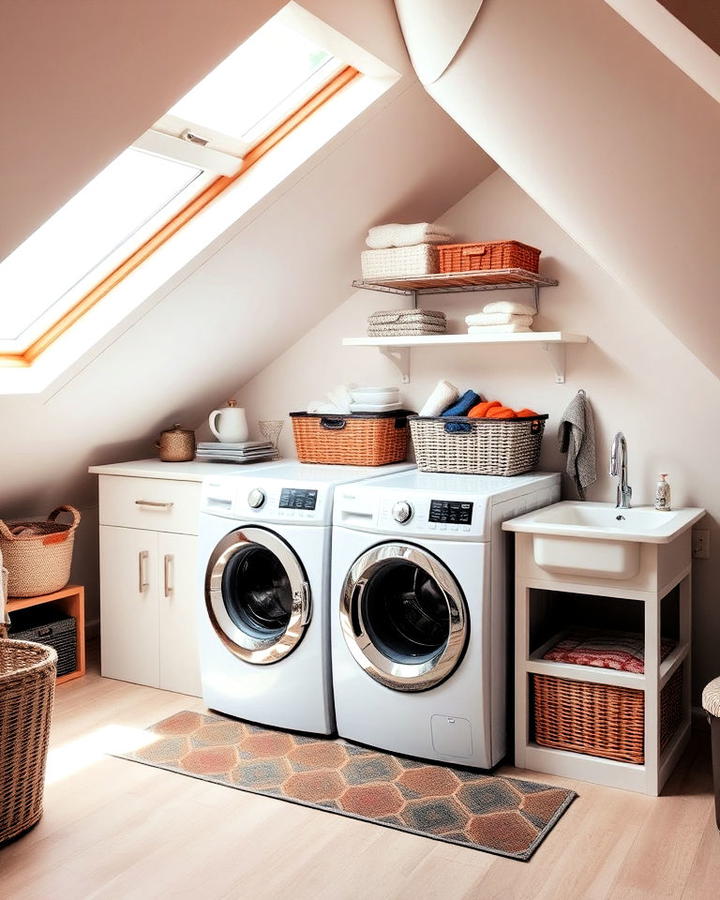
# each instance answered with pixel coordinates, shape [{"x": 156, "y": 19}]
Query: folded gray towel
[{"x": 576, "y": 435}]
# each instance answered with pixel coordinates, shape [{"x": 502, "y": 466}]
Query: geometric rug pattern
[{"x": 507, "y": 816}]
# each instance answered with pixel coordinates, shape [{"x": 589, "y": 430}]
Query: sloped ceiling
[
  {"x": 271, "y": 278},
  {"x": 82, "y": 79},
  {"x": 610, "y": 138}
]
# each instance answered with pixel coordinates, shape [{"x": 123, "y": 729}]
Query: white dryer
[
  {"x": 264, "y": 630},
  {"x": 420, "y": 600}
]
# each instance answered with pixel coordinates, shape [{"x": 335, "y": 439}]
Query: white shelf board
[
  {"x": 438, "y": 340},
  {"x": 593, "y": 674},
  {"x": 398, "y": 349}
]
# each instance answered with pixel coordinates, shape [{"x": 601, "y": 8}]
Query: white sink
[{"x": 598, "y": 539}]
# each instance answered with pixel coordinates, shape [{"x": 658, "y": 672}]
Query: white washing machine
[
  {"x": 420, "y": 594},
  {"x": 264, "y": 629}
]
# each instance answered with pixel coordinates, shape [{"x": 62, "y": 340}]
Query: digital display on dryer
[
  {"x": 454, "y": 512},
  {"x": 297, "y": 498}
]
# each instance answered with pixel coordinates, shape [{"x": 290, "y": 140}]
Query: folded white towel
[
  {"x": 396, "y": 235},
  {"x": 497, "y": 329},
  {"x": 443, "y": 395},
  {"x": 510, "y": 306},
  {"x": 338, "y": 401},
  {"x": 497, "y": 318}
]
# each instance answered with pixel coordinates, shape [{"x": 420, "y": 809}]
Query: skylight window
[
  {"x": 61, "y": 268},
  {"x": 86, "y": 239}
]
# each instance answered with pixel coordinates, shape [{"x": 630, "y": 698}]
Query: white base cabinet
[{"x": 147, "y": 584}]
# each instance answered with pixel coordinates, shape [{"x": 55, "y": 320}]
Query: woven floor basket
[
  {"x": 27, "y": 688},
  {"x": 488, "y": 255},
  {"x": 356, "y": 440},
  {"x": 481, "y": 447},
  {"x": 600, "y": 719},
  {"x": 38, "y": 555}
]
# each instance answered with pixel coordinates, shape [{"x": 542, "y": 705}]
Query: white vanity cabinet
[{"x": 148, "y": 578}]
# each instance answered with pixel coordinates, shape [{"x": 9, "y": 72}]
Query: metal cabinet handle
[
  {"x": 142, "y": 571},
  {"x": 167, "y": 567},
  {"x": 154, "y": 504}
]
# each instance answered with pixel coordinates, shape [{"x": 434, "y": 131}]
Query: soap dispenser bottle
[{"x": 662, "y": 494}]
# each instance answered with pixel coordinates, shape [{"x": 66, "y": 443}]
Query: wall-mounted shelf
[
  {"x": 456, "y": 282},
  {"x": 397, "y": 349}
]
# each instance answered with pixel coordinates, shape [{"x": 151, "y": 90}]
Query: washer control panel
[
  {"x": 298, "y": 498},
  {"x": 402, "y": 511},
  {"x": 451, "y": 512}
]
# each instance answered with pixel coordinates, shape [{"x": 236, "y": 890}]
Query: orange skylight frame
[{"x": 26, "y": 358}]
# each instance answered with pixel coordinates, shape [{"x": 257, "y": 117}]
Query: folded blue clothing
[{"x": 461, "y": 407}]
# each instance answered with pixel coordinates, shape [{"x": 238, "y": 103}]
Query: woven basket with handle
[
  {"x": 38, "y": 555},
  {"x": 27, "y": 689},
  {"x": 488, "y": 255}
]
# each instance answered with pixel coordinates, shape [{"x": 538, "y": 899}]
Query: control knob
[
  {"x": 256, "y": 498},
  {"x": 402, "y": 512}
]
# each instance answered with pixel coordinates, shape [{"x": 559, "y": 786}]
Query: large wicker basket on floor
[
  {"x": 600, "y": 719},
  {"x": 38, "y": 555},
  {"x": 477, "y": 446},
  {"x": 360, "y": 439},
  {"x": 27, "y": 689}
]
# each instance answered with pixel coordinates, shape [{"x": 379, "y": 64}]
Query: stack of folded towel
[
  {"x": 398, "y": 322},
  {"x": 501, "y": 317},
  {"x": 397, "y": 251}
]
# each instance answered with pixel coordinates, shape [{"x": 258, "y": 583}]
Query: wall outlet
[{"x": 701, "y": 543}]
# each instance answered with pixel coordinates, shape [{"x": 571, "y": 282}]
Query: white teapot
[{"x": 229, "y": 425}]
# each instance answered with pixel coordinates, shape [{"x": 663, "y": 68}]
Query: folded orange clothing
[
  {"x": 480, "y": 410},
  {"x": 501, "y": 412},
  {"x": 525, "y": 413}
]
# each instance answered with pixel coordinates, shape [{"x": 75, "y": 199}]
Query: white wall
[
  {"x": 639, "y": 377},
  {"x": 613, "y": 141}
]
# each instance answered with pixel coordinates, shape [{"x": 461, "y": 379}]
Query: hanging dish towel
[{"x": 576, "y": 435}]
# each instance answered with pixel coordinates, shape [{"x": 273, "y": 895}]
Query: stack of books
[{"x": 245, "y": 452}]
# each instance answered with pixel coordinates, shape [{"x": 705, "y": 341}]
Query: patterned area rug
[{"x": 507, "y": 816}]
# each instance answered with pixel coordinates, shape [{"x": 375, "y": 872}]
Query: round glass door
[
  {"x": 404, "y": 617},
  {"x": 256, "y": 595}
]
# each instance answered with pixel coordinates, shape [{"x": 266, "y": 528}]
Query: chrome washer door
[
  {"x": 404, "y": 617},
  {"x": 257, "y": 595}
]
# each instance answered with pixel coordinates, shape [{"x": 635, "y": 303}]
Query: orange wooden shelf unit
[{"x": 71, "y": 600}]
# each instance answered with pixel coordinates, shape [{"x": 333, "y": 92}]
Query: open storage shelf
[
  {"x": 397, "y": 349},
  {"x": 454, "y": 282}
]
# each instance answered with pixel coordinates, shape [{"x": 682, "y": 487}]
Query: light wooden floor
[{"x": 118, "y": 829}]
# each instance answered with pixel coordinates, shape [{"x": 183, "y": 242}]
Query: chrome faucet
[{"x": 618, "y": 466}]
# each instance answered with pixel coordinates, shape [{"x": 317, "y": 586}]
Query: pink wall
[{"x": 612, "y": 140}]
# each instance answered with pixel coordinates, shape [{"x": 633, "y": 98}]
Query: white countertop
[{"x": 178, "y": 471}]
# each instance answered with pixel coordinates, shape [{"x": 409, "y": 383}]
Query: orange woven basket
[
  {"x": 600, "y": 719},
  {"x": 488, "y": 255},
  {"x": 360, "y": 439}
]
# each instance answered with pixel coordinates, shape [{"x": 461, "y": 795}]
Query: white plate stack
[
  {"x": 375, "y": 399},
  {"x": 244, "y": 452}
]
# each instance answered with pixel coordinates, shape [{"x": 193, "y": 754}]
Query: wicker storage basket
[
  {"x": 399, "y": 262},
  {"x": 51, "y": 627},
  {"x": 477, "y": 446},
  {"x": 600, "y": 719},
  {"x": 360, "y": 439},
  {"x": 38, "y": 554},
  {"x": 488, "y": 255},
  {"x": 27, "y": 688}
]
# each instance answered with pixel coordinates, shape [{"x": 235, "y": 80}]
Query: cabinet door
[
  {"x": 178, "y": 585},
  {"x": 129, "y": 625}
]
